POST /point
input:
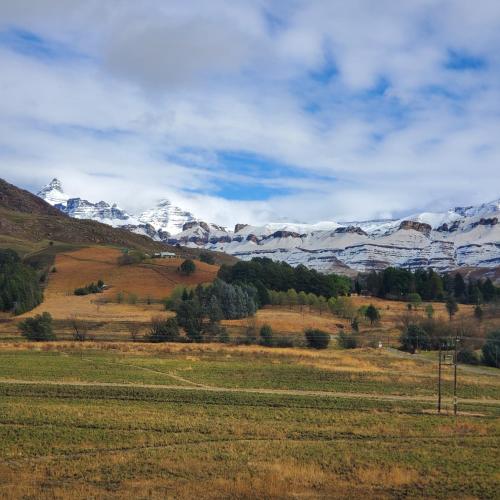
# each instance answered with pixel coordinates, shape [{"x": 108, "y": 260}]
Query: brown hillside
[
  {"x": 154, "y": 279},
  {"x": 26, "y": 218},
  {"x": 28, "y": 223}
]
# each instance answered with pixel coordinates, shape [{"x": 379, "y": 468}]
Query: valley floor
[{"x": 122, "y": 420}]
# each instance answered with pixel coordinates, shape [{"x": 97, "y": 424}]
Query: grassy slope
[{"x": 135, "y": 442}]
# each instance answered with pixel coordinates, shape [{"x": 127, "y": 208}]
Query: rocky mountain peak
[{"x": 53, "y": 193}]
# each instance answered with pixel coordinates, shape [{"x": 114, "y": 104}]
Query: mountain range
[{"x": 462, "y": 237}]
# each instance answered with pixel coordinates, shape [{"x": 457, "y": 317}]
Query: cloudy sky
[{"x": 254, "y": 110}]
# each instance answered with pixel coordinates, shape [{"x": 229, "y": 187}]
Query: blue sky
[{"x": 255, "y": 111}]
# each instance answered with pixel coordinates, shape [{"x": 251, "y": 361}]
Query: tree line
[
  {"x": 264, "y": 273},
  {"x": 399, "y": 284},
  {"x": 19, "y": 284}
]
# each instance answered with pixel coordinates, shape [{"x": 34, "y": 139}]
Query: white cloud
[{"x": 163, "y": 82}]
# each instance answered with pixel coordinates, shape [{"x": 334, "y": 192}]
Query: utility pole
[
  {"x": 455, "y": 402},
  {"x": 439, "y": 380}
]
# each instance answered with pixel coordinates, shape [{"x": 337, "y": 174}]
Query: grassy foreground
[{"x": 181, "y": 421}]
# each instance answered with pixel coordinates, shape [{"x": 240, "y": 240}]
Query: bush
[
  {"x": 266, "y": 336},
  {"x": 187, "y": 267},
  {"x": 90, "y": 288},
  {"x": 491, "y": 349},
  {"x": 207, "y": 258},
  {"x": 163, "y": 330},
  {"x": 467, "y": 356},
  {"x": 347, "y": 341},
  {"x": 37, "y": 328},
  {"x": 283, "y": 341},
  {"x": 130, "y": 258},
  {"x": 414, "y": 337},
  {"x": 223, "y": 336},
  {"x": 317, "y": 339}
]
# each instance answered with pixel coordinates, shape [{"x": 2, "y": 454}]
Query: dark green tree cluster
[
  {"x": 317, "y": 339},
  {"x": 200, "y": 311},
  {"x": 207, "y": 258},
  {"x": 264, "y": 273},
  {"x": 90, "y": 288},
  {"x": 491, "y": 349},
  {"x": 402, "y": 284},
  {"x": 163, "y": 330},
  {"x": 38, "y": 328},
  {"x": 19, "y": 285},
  {"x": 187, "y": 268}
]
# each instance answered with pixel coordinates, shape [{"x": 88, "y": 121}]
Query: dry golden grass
[
  {"x": 291, "y": 320},
  {"x": 155, "y": 278}
]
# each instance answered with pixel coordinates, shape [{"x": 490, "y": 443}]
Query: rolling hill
[{"x": 28, "y": 224}]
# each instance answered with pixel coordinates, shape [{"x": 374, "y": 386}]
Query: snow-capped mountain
[
  {"x": 166, "y": 217},
  {"x": 53, "y": 193},
  {"x": 158, "y": 223},
  {"x": 460, "y": 237}
]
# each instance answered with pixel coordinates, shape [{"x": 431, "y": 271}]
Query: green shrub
[
  {"x": 130, "y": 258},
  {"x": 491, "y": 349},
  {"x": 38, "y": 328},
  {"x": 224, "y": 336},
  {"x": 283, "y": 341},
  {"x": 347, "y": 341},
  {"x": 188, "y": 267},
  {"x": 317, "y": 339},
  {"x": 207, "y": 258},
  {"x": 90, "y": 288},
  {"x": 467, "y": 356},
  {"x": 266, "y": 336},
  {"x": 163, "y": 330}
]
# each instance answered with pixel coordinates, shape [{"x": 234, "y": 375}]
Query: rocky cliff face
[{"x": 460, "y": 237}]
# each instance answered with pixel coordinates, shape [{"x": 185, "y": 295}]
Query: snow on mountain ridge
[
  {"x": 53, "y": 193},
  {"x": 459, "y": 237},
  {"x": 155, "y": 222}
]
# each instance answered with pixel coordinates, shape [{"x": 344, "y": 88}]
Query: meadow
[{"x": 122, "y": 420}]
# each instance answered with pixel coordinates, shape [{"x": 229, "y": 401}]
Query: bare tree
[
  {"x": 133, "y": 329},
  {"x": 80, "y": 328}
]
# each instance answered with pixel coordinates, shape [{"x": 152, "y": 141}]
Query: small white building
[{"x": 164, "y": 255}]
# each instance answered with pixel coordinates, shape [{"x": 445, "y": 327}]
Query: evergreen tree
[
  {"x": 188, "y": 267},
  {"x": 459, "y": 287},
  {"x": 266, "y": 336},
  {"x": 451, "y": 306},
  {"x": 488, "y": 290},
  {"x": 372, "y": 313},
  {"x": 491, "y": 349},
  {"x": 478, "y": 313},
  {"x": 19, "y": 286}
]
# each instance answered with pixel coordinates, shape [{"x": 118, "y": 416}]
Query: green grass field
[{"x": 203, "y": 421}]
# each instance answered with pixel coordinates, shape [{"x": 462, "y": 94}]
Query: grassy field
[
  {"x": 121, "y": 420},
  {"x": 152, "y": 279}
]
